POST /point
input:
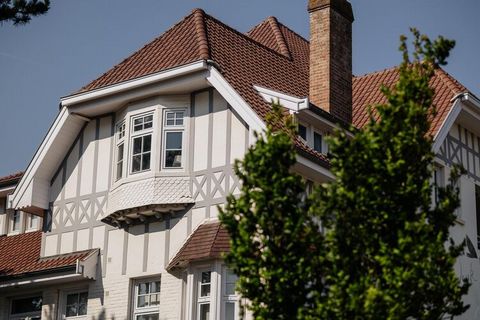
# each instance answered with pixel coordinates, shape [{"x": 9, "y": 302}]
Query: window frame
[
  {"x": 136, "y": 311},
  {"x": 199, "y": 300},
  {"x": 141, "y": 134},
  {"x": 119, "y": 141},
  {"x": 169, "y": 129},
  {"x": 30, "y": 218},
  {"x": 229, "y": 298},
  {"x": 21, "y": 316},
  {"x": 306, "y": 132},
  {"x": 64, "y": 303},
  {"x": 11, "y": 223}
]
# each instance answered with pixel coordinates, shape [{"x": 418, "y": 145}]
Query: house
[{"x": 115, "y": 217}]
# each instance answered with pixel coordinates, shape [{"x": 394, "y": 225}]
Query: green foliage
[
  {"x": 386, "y": 244},
  {"x": 21, "y": 11},
  {"x": 272, "y": 237}
]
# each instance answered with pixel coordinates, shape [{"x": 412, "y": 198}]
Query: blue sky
[{"x": 77, "y": 41}]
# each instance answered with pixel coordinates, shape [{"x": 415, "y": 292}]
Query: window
[
  {"x": 16, "y": 221},
  {"x": 26, "y": 308},
  {"x": 317, "y": 142},
  {"x": 203, "y": 300},
  {"x": 76, "y": 304},
  {"x": 229, "y": 297},
  {"x": 174, "y": 128},
  {"x": 33, "y": 222},
  {"x": 147, "y": 300},
  {"x": 143, "y": 123},
  {"x": 142, "y": 143},
  {"x": 302, "y": 131},
  {"x": 120, "y": 149}
]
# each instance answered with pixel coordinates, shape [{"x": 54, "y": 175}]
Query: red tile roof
[
  {"x": 270, "y": 55},
  {"x": 209, "y": 241},
  {"x": 11, "y": 178},
  {"x": 366, "y": 92},
  {"x": 20, "y": 256}
]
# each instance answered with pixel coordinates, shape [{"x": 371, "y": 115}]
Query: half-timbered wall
[{"x": 80, "y": 194}]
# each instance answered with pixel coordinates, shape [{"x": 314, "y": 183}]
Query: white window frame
[
  {"x": 136, "y": 311},
  {"x": 229, "y": 298},
  {"x": 11, "y": 218},
  {"x": 22, "y": 316},
  {"x": 173, "y": 128},
  {"x": 140, "y": 134},
  {"x": 63, "y": 304},
  {"x": 199, "y": 300},
  {"x": 120, "y": 132},
  {"x": 28, "y": 225}
]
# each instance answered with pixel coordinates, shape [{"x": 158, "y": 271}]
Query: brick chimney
[{"x": 331, "y": 56}]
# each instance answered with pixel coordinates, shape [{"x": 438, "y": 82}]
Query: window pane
[
  {"x": 179, "y": 118},
  {"x": 205, "y": 290},
  {"x": 23, "y": 305},
  {"x": 142, "y": 302},
  {"x": 151, "y": 316},
  {"x": 302, "y": 132},
  {"x": 206, "y": 276},
  {"x": 146, "y": 161},
  {"x": 142, "y": 288},
  {"x": 147, "y": 143},
  {"x": 82, "y": 309},
  {"x": 137, "y": 145},
  {"x": 155, "y": 286},
  {"x": 230, "y": 311},
  {"x": 83, "y": 298},
  {"x": 173, "y": 159},
  {"x": 119, "y": 170},
  {"x": 72, "y": 299},
  {"x": 154, "y": 299},
  {"x": 205, "y": 311},
  {"x": 120, "y": 152},
  {"x": 170, "y": 115},
  {"x": 136, "y": 163},
  {"x": 170, "y": 122},
  {"x": 317, "y": 142},
  {"x": 174, "y": 140},
  {"x": 148, "y": 118},
  {"x": 72, "y": 310},
  {"x": 16, "y": 221}
]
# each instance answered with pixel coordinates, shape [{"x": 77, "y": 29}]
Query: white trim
[
  {"x": 63, "y": 278},
  {"x": 447, "y": 124},
  {"x": 327, "y": 122},
  {"x": 135, "y": 83},
  {"x": 309, "y": 163},
  {"x": 44, "y": 146},
  {"x": 235, "y": 100},
  {"x": 293, "y": 103}
]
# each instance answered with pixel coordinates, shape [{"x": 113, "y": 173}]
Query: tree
[
  {"x": 21, "y": 11},
  {"x": 273, "y": 238},
  {"x": 386, "y": 254},
  {"x": 386, "y": 251}
]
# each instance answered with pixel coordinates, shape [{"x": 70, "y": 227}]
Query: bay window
[
  {"x": 230, "y": 301},
  {"x": 203, "y": 300},
  {"x": 146, "y": 300}
]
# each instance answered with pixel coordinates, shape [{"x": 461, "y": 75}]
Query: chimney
[{"x": 331, "y": 56}]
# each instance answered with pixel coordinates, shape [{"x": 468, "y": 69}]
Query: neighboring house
[{"x": 129, "y": 177}]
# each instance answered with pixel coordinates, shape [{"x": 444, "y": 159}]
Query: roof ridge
[
  {"x": 282, "y": 44},
  {"x": 203, "y": 47},
  {"x": 454, "y": 85},
  {"x": 245, "y": 36},
  {"x": 375, "y": 72},
  {"x": 134, "y": 54}
]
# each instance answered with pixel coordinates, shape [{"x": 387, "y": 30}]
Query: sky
[{"x": 76, "y": 41}]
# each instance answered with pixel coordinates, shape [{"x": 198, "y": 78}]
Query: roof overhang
[
  {"x": 32, "y": 193},
  {"x": 465, "y": 107},
  {"x": 83, "y": 269},
  {"x": 292, "y": 103}
]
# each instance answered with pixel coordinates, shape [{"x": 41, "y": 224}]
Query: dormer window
[
  {"x": 173, "y": 139},
  {"x": 142, "y": 143}
]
